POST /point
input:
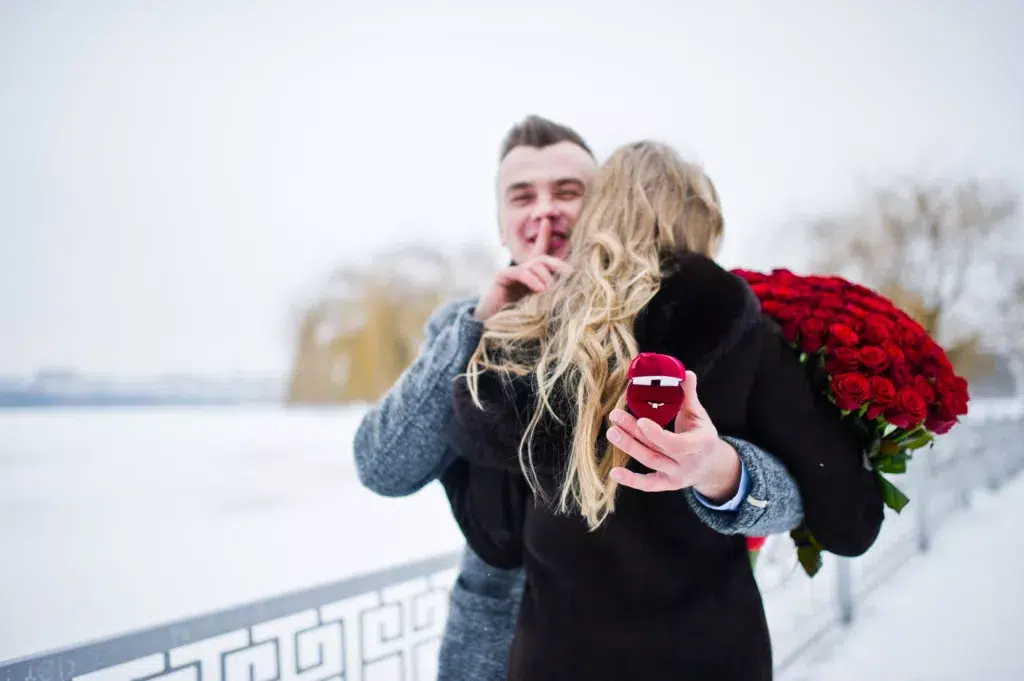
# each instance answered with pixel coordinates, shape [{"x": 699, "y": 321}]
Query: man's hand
[
  {"x": 512, "y": 283},
  {"x": 692, "y": 456}
]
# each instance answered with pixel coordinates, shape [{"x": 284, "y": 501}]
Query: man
[{"x": 400, "y": 446}]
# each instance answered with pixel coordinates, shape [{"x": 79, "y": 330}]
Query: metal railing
[
  {"x": 984, "y": 451},
  {"x": 388, "y": 625}
]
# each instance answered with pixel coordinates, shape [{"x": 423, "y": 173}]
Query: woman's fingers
[
  {"x": 649, "y": 457},
  {"x": 627, "y": 422},
  {"x": 649, "y": 482},
  {"x": 675, "y": 445}
]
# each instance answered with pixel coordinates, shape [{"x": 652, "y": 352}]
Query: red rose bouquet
[{"x": 879, "y": 366}]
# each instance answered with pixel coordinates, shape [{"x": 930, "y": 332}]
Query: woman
[{"x": 624, "y": 584}]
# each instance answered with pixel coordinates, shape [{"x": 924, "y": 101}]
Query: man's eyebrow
[
  {"x": 569, "y": 181},
  {"x": 518, "y": 186}
]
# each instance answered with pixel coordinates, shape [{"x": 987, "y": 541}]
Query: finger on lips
[{"x": 540, "y": 246}]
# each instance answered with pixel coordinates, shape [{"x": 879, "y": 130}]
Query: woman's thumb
[{"x": 691, "y": 404}]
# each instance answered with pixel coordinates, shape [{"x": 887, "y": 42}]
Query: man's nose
[{"x": 544, "y": 207}]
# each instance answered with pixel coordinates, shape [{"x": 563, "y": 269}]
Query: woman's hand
[{"x": 692, "y": 456}]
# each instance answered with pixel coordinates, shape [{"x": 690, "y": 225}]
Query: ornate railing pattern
[{"x": 387, "y": 625}]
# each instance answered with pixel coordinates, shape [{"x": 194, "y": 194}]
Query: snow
[
  {"x": 952, "y": 613},
  {"x": 111, "y": 520}
]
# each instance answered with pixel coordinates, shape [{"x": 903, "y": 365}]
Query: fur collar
[{"x": 699, "y": 314}]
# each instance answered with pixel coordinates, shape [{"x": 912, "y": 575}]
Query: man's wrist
[{"x": 724, "y": 478}]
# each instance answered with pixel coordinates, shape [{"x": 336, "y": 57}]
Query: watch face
[{"x": 655, "y": 388}]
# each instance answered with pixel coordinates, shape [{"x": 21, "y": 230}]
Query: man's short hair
[{"x": 535, "y": 131}]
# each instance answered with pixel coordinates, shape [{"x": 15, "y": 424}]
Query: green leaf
[
  {"x": 894, "y": 499},
  {"x": 808, "y": 549},
  {"x": 889, "y": 448},
  {"x": 918, "y": 442},
  {"x": 810, "y": 559},
  {"x": 888, "y": 430},
  {"x": 911, "y": 434},
  {"x": 894, "y": 463},
  {"x": 803, "y": 357}
]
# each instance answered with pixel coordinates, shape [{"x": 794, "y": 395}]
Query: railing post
[
  {"x": 924, "y": 525},
  {"x": 844, "y": 589},
  {"x": 965, "y": 466},
  {"x": 994, "y": 465}
]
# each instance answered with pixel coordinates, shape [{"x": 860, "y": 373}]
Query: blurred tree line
[
  {"x": 366, "y": 326},
  {"x": 950, "y": 253}
]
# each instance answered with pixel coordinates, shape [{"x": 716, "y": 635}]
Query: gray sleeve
[
  {"x": 401, "y": 443},
  {"x": 773, "y": 506}
]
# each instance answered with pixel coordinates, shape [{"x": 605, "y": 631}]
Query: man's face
[{"x": 542, "y": 185}]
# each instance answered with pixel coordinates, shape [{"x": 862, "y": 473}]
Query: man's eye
[
  {"x": 668, "y": 381},
  {"x": 521, "y": 199},
  {"x": 568, "y": 195}
]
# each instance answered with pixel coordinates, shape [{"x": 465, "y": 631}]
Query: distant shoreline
[{"x": 47, "y": 402}]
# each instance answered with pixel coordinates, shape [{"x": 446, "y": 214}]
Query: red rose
[
  {"x": 901, "y": 375},
  {"x": 853, "y": 323},
  {"x": 883, "y": 396},
  {"x": 842, "y": 360},
  {"x": 862, "y": 292},
  {"x": 877, "y": 329},
  {"x": 785, "y": 293},
  {"x": 875, "y": 303},
  {"x": 939, "y": 424},
  {"x": 782, "y": 275},
  {"x": 908, "y": 410},
  {"x": 789, "y": 313},
  {"x": 755, "y": 543},
  {"x": 874, "y": 359},
  {"x": 831, "y": 301},
  {"x": 953, "y": 395},
  {"x": 852, "y": 390},
  {"x": 924, "y": 389},
  {"x": 750, "y": 276},
  {"x": 790, "y": 332},
  {"x": 812, "y": 334},
  {"x": 894, "y": 352},
  {"x": 856, "y": 312},
  {"x": 840, "y": 334}
]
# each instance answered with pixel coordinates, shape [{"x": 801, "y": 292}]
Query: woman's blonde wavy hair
[{"x": 577, "y": 337}]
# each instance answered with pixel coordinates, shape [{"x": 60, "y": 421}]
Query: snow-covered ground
[
  {"x": 954, "y": 613},
  {"x": 111, "y": 520}
]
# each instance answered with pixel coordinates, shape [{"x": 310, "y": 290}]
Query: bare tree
[
  {"x": 943, "y": 251},
  {"x": 366, "y": 327}
]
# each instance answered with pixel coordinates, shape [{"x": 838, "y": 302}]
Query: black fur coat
[{"x": 654, "y": 593}]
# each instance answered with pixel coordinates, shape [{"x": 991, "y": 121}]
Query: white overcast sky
[{"x": 176, "y": 176}]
